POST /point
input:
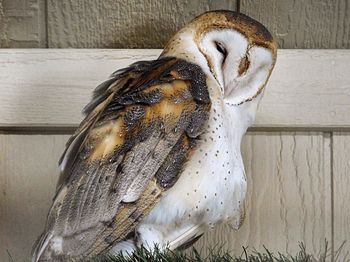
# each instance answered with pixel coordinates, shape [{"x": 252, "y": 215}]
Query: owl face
[{"x": 235, "y": 51}]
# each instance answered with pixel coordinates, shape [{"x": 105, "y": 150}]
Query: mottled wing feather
[
  {"x": 140, "y": 129},
  {"x": 121, "y": 82}
]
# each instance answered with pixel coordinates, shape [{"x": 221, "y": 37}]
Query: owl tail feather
[
  {"x": 40, "y": 246},
  {"x": 126, "y": 247},
  {"x": 187, "y": 237}
]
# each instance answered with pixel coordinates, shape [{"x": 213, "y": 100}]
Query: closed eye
[{"x": 222, "y": 50}]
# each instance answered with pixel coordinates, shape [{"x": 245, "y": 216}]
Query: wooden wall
[
  {"x": 296, "y": 157},
  {"x": 149, "y": 23}
]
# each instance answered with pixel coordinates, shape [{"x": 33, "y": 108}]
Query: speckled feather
[{"x": 139, "y": 130}]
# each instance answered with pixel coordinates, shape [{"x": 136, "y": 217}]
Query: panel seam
[
  {"x": 238, "y": 6},
  {"x": 46, "y": 23},
  {"x": 332, "y": 192}
]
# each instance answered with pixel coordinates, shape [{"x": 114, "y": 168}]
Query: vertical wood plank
[
  {"x": 341, "y": 182},
  {"x": 22, "y": 23},
  {"x": 288, "y": 196},
  {"x": 3, "y": 27},
  {"x": 303, "y": 24},
  {"x": 122, "y": 24},
  {"x": 28, "y": 174}
]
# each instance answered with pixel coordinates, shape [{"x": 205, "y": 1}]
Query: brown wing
[{"x": 139, "y": 131}]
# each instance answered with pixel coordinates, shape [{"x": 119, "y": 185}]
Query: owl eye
[{"x": 221, "y": 49}]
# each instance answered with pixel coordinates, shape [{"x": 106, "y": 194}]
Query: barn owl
[{"x": 157, "y": 159}]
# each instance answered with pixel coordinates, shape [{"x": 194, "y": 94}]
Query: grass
[{"x": 219, "y": 255}]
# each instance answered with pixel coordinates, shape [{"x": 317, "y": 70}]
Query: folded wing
[{"x": 139, "y": 131}]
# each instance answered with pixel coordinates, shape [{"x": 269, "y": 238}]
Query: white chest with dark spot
[{"x": 212, "y": 187}]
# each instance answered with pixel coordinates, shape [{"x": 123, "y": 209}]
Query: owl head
[{"x": 236, "y": 52}]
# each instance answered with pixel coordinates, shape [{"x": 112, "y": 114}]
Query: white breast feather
[{"x": 212, "y": 187}]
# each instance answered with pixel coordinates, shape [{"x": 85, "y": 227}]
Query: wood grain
[
  {"x": 122, "y": 24},
  {"x": 289, "y": 195},
  {"x": 308, "y": 88},
  {"x": 3, "y": 27},
  {"x": 303, "y": 24},
  {"x": 22, "y": 23},
  {"x": 28, "y": 174},
  {"x": 341, "y": 182},
  {"x": 149, "y": 24}
]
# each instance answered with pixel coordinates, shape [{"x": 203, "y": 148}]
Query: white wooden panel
[
  {"x": 50, "y": 87},
  {"x": 289, "y": 195},
  {"x": 28, "y": 174},
  {"x": 341, "y": 182}
]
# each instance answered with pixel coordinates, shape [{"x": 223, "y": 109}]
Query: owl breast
[{"x": 212, "y": 187}]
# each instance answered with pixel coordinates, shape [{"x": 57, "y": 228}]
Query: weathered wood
[
  {"x": 303, "y": 24},
  {"x": 308, "y": 88},
  {"x": 122, "y": 24},
  {"x": 289, "y": 195},
  {"x": 22, "y": 23},
  {"x": 341, "y": 192},
  {"x": 28, "y": 174},
  {"x": 3, "y": 27},
  {"x": 149, "y": 24}
]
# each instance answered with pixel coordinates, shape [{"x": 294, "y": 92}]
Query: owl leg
[
  {"x": 150, "y": 237},
  {"x": 146, "y": 235},
  {"x": 126, "y": 247}
]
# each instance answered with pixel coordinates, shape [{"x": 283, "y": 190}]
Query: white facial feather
[
  {"x": 234, "y": 52},
  {"x": 237, "y": 88},
  {"x": 248, "y": 85}
]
